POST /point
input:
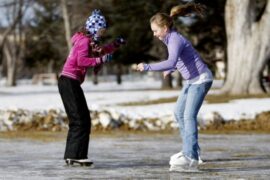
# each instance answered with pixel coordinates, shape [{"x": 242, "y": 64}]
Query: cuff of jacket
[
  {"x": 98, "y": 60},
  {"x": 146, "y": 67}
]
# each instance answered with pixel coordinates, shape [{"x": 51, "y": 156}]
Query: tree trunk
[
  {"x": 179, "y": 80},
  {"x": 95, "y": 79},
  {"x": 66, "y": 22},
  {"x": 13, "y": 45},
  {"x": 7, "y": 31},
  {"x": 50, "y": 67},
  {"x": 167, "y": 82},
  {"x": 1, "y": 71},
  {"x": 11, "y": 66},
  {"x": 248, "y": 46},
  {"x": 119, "y": 74}
]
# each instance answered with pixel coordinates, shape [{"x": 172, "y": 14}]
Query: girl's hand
[
  {"x": 165, "y": 73},
  {"x": 99, "y": 49},
  {"x": 140, "y": 67},
  {"x": 96, "y": 48}
]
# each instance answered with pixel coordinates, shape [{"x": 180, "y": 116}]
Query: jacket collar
[{"x": 167, "y": 36}]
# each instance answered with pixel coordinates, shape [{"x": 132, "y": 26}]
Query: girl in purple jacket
[
  {"x": 85, "y": 53},
  {"x": 198, "y": 80}
]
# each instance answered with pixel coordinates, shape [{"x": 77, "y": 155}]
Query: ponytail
[
  {"x": 162, "y": 19},
  {"x": 183, "y": 10}
]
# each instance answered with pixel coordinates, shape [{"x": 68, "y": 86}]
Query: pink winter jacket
[{"x": 78, "y": 59}]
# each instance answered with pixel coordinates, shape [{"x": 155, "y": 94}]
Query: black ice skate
[{"x": 82, "y": 162}]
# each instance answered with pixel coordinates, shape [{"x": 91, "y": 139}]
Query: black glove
[{"x": 119, "y": 41}]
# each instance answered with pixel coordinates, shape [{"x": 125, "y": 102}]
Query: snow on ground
[{"x": 108, "y": 95}]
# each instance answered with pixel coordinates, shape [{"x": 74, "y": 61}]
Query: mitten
[
  {"x": 119, "y": 41},
  {"x": 106, "y": 58}
]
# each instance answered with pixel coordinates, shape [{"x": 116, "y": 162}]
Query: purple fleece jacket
[{"x": 182, "y": 56}]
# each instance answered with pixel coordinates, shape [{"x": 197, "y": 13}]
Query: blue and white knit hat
[{"x": 95, "y": 22}]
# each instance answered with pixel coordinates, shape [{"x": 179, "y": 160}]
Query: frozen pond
[{"x": 137, "y": 156}]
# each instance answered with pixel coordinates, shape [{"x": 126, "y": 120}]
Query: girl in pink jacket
[{"x": 85, "y": 53}]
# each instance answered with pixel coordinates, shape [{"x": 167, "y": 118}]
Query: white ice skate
[
  {"x": 82, "y": 162},
  {"x": 184, "y": 164},
  {"x": 178, "y": 155}
]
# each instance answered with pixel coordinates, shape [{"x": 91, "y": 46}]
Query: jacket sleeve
[
  {"x": 109, "y": 48},
  {"x": 170, "y": 70},
  {"x": 175, "y": 47},
  {"x": 83, "y": 58}
]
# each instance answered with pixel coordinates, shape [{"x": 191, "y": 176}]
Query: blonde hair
[{"x": 162, "y": 19}]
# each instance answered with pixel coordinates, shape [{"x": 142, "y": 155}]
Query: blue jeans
[{"x": 187, "y": 107}]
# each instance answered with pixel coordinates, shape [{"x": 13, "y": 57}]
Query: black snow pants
[{"x": 79, "y": 118}]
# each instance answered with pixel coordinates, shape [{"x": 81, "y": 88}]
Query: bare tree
[
  {"x": 167, "y": 82},
  {"x": 12, "y": 39},
  {"x": 8, "y": 30},
  {"x": 248, "y": 45},
  {"x": 11, "y": 51}
]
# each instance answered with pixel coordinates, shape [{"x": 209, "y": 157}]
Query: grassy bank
[{"x": 211, "y": 99}]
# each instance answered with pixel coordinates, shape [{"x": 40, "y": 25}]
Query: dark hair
[
  {"x": 162, "y": 19},
  {"x": 83, "y": 30}
]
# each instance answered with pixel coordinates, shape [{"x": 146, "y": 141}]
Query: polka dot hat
[{"x": 95, "y": 22}]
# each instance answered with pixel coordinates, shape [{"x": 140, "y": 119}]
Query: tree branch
[{"x": 9, "y": 29}]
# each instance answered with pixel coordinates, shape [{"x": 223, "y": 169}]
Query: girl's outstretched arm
[{"x": 175, "y": 47}]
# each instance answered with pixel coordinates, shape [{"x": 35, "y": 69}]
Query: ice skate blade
[
  {"x": 71, "y": 162},
  {"x": 183, "y": 169}
]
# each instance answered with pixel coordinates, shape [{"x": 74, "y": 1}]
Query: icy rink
[{"x": 131, "y": 156}]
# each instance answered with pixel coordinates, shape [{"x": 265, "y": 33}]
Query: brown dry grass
[
  {"x": 46, "y": 136},
  {"x": 261, "y": 124},
  {"x": 211, "y": 99}
]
